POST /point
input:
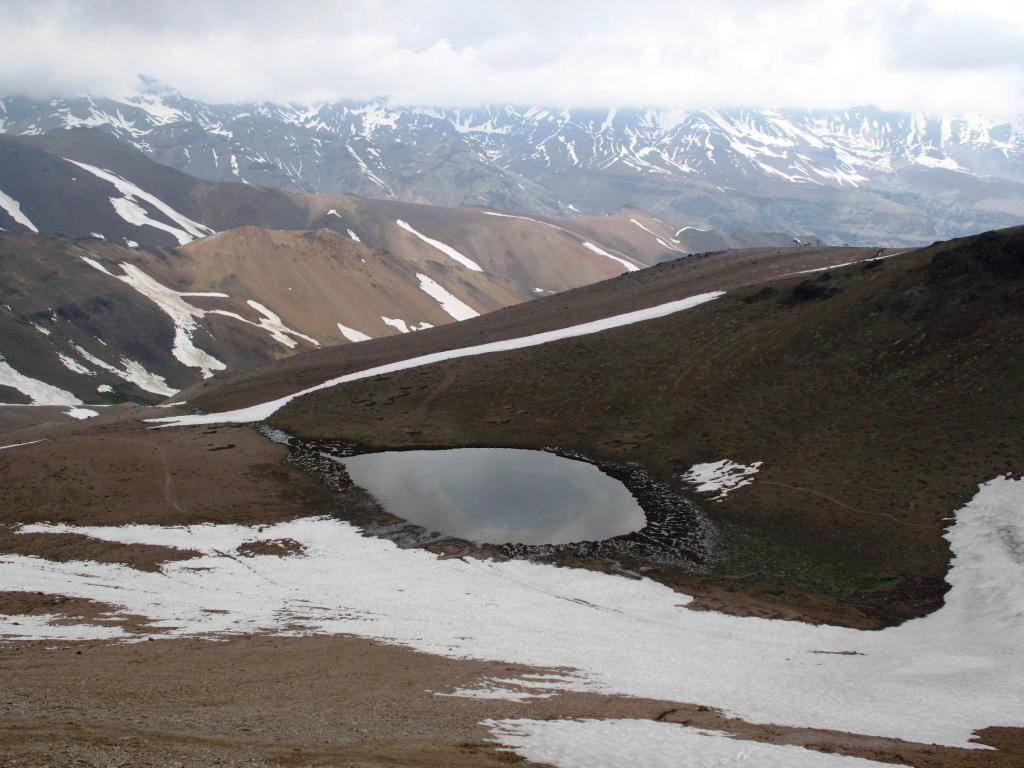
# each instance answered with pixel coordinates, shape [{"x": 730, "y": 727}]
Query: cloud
[{"x": 902, "y": 54}]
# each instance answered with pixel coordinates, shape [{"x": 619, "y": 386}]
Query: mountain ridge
[{"x": 858, "y": 175}]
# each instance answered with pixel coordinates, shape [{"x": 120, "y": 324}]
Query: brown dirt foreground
[{"x": 331, "y": 701}]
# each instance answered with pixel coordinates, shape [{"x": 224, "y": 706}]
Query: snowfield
[
  {"x": 648, "y": 744},
  {"x": 931, "y": 680}
]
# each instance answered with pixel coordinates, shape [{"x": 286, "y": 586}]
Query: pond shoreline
[{"x": 678, "y": 536}]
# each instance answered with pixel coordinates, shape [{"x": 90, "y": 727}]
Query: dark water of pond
[{"x": 499, "y": 495}]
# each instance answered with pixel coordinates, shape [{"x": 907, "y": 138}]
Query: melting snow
[
  {"x": 104, "y": 388},
  {"x": 13, "y": 208},
  {"x": 278, "y": 330},
  {"x": 932, "y": 680},
  {"x": 18, "y": 445},
  {"x": 352, "y": 334},
  {"x": 133, "y": 372},
  {"x": 264, "y": 411},
  {"x": 844, "y": 264},
  {"x": 127, "y": 207},
  {"x": 447, "y": 250},
  {"x": 135, "y": 214},
  {"x": 657, "y": 237},
  {"x": 396, "y": 323},
  {"x": 524, "y": 218},
  {"x": 81, "y": 413},
  {"x": 450, "y": 304},
  {"x": 650, "y": 744},
  {"x": 354, "y": 236},
  {"x": 496, "y": 690},
  {"x": 721, "y": 477},
  {"x": 601, "y": 252},
  {"x": 182, "y": 314},
  {"x": 73, "y": 365},
  {"x": 39, "y": 392}
]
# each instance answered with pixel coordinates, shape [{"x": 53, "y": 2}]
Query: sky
[{"x": 934, "y": 55}]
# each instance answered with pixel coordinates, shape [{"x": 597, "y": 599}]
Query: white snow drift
[
  {"x": 39, "y": 392},
  {"x": 19, "y": 445},
  {"x": 173, "y": 303},
  {"x": 930, "y": 680},
  {"x": 184, "y": 315},
  {"x": 128, "y": 208},
  {"x": 352, "y": 334},
  {"x": 649, "y": 744},
  {"x": 449, "y": 303},
  {"x": 721, "y": 477},
  {"x": 447, "y": 250},
  {"x": 602, "y": 252},
  {"x": 264, "y": 411},
  {"x": 13, "y": 208},
  {"x": 131, "y": 371}
]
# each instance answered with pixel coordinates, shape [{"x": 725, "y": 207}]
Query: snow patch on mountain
[
  {"x": 128, "y": 208},
  {"x": 721, "y": 477},
  {"x": 81, "y": 413},
  {"x": 449, "y": 303},
  {"x": 183, "y": 315},
  {"x": 38, "y": 392},
  {"x": 402, "y": 326},
  {"x": 73, "y": 365},
  {"x": 447, "y": 250},
  {"x": 352, "y": 334},
  {"x": 281, "y": 333},
  {"x": 13, "y": 208},
  {"x": 131, "y": 371},
  {"x": 19, "y": 445},
  {"x": 630, "y": 267}
]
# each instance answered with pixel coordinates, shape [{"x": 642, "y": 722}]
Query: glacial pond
[{"x": 499, "y": 495}]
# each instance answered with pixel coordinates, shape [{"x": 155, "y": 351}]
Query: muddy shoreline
[{"x": 678, "y": 536}]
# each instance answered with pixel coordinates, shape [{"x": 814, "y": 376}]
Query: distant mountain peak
[{"x": 861, "y": 174}]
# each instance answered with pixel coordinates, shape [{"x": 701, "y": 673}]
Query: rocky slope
[{"x": 858, "y": 175}]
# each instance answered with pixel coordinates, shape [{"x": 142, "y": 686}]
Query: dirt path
[{"x": 844, "y": 505}]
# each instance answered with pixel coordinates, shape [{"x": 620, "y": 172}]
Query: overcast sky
[{"x": 934, "y": 55}]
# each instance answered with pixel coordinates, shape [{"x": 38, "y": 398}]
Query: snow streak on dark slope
[{"x": 853, "y": 175}]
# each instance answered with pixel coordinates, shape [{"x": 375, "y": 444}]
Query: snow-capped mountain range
[{"x": 857, "y": 175}]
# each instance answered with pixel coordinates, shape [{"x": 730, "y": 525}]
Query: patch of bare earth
[
  {"x": 331, "y": 701},
  {"x": 73, "y": 610}
]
